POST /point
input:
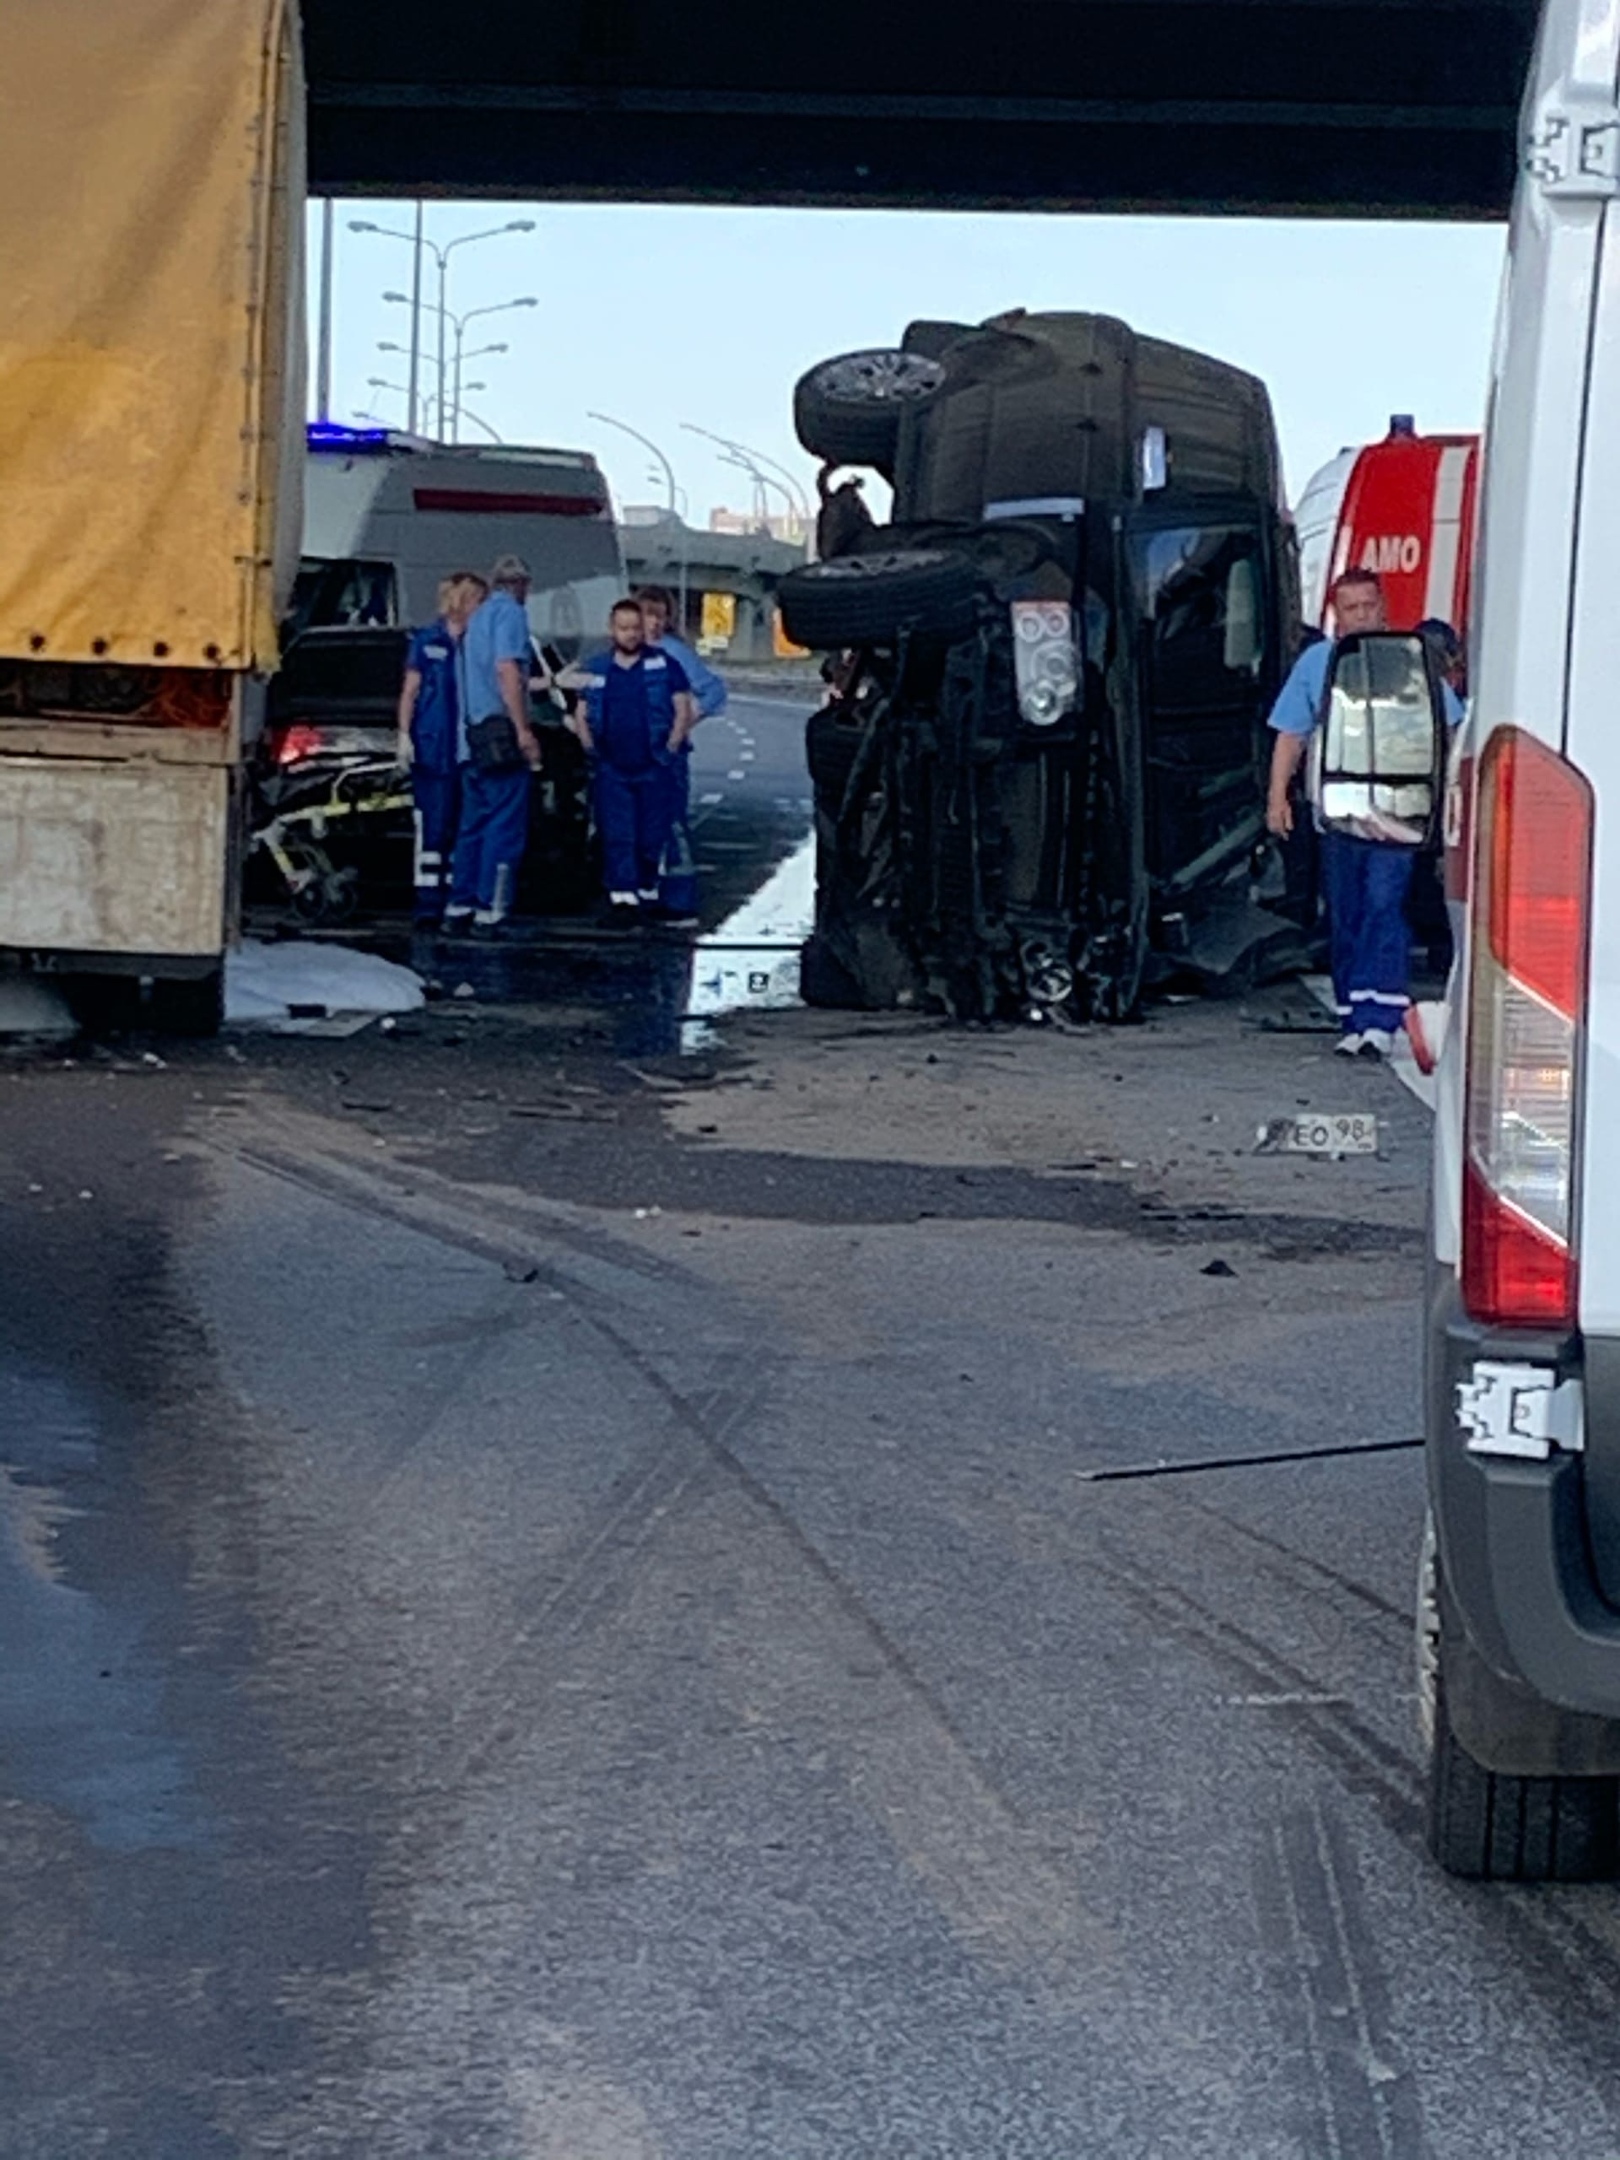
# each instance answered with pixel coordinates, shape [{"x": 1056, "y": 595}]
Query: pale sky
[{"x": 664, "y": 315}]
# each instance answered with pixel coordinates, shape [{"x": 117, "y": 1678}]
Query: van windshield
[
  {"x": 1202, "y": 604},
  {"x": 348, "y": 593}
]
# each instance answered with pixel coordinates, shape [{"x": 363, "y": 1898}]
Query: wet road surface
[
  {"x": 750, "y": 817},
  {"x": 556, "y": 1602}
]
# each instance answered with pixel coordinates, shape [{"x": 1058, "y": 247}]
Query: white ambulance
[{"x": 1519, "y": 1606}]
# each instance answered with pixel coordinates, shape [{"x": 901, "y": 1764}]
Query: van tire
[
  {"x": 189, "y": 1005},
  {"x": 824, "y": 980},
  {"x": 871, "y": 599},
  {"x": 847, "y": 411},
  {"x": 1489, "y": 1825},
  {"x": 831, "y": 746}
]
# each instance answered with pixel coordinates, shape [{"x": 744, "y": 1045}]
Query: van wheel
[
  {"x": 191, "y": 1005},
  {"x": 847, "y": 411},
  {"x": 1490, "y": 1825},
  {"x": 871, "y": 599}
]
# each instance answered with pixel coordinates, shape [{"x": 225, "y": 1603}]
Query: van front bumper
[{"x": 1514, "y": 1536}]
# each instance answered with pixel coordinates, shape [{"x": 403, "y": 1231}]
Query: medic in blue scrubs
[
  {"x": 637, "y": 714},
  {"x": 428, "y": 713},
  {"x": 678, "y": 887}
]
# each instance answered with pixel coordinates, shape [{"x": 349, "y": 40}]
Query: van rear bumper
[{"x": 1514, "y": 1538}]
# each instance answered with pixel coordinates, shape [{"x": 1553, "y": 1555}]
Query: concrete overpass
[{"x": 1338, "y": 107}]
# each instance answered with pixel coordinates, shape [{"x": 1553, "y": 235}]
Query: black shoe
[
  {"x": 622, "y": 915},
  {"x": 492, "y": 933},
  {"x": 455, "y": 922}
]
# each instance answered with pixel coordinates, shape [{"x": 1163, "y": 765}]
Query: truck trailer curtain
[{"x": 151, "y": 329}]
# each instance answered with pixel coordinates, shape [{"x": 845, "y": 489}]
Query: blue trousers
[
  {"x": 632, "y": 818},
  {"x": 1366, "y": 883},
  {"x": 437, "y": 797},
  {"x": 678, "y": 887},
  {"x": 494, "y": 833}
]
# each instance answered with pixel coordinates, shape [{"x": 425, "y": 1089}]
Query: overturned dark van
[{"x": 1039, "y": 772}]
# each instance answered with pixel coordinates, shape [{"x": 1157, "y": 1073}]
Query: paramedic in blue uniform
[
  {"x": 495, "y": 658},
  {"x": 428, "y": 747},
  {"x": 678, "y": 888},
  {"x": 1365, "y": 880},
  {"x": 636, "y": 714}
]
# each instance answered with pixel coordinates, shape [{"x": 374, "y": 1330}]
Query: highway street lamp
[
  {"x": 441, "y": 255},
  {"x": 798, "y": 501},
  {"x": 459, "y": 325},
  {"x": 672, "y": 491},
  {"x": 459, "y": 412},
  {"x": 390, "y": 345}
]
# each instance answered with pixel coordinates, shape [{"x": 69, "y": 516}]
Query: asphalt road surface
[{"x": 559, "y": 1602}]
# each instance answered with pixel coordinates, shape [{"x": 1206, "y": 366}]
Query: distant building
[
  {"x": 729, "y": 577},
  {"x": 781, "y": 527}
]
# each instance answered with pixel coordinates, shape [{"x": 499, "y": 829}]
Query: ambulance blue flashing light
[{"x": 328, "y": 435}]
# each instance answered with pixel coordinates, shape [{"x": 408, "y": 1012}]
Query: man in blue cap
[{"x": 499, "y": 749}]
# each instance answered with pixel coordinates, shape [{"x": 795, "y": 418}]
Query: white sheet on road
[
  {"x": 31, "y": 1007},
  {"x": 265, "y": 981}
]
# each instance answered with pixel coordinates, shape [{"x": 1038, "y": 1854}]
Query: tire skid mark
[
  {"x": 1313, "y": 1927},
  {"x": 1570, "y": 1957},
  {"x": 1302, "y": 1568},
  {"x": 905, "y": 1759},
  {"x": 1367, "y": 1762}
]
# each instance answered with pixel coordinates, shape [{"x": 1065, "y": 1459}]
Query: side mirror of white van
[{"x": 1378, "y": 757}]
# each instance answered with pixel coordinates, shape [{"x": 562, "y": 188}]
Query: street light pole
[
  {"x": 798, "y": 502},
  {"x": 441, "y": 256},
  {"x": 323, "y": 334},
  {"x": 646, "y": 443},
  {"x": 671, "y": 491},
  {"x": 416, "y": 315}
]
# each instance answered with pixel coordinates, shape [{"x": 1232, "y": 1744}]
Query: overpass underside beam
[{"x": 1384, "y": 107}]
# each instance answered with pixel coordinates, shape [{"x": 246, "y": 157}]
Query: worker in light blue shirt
[
  {"x": 1365, "y": 880},
  {"x": 495, "y": 659},
  {"x": 678, "y": 886}
]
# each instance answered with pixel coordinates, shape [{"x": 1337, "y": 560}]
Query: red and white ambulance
[{"x": 1403, "y": 507}]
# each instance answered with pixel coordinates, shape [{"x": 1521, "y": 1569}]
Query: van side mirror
[{"x": 1378, "y": 756}]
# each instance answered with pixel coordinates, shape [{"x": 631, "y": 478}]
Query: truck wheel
[
  {"x": 189, "y": 1005},
  {"x": 848, "y": 411},
  {"x": 104, "y": 1004},
  {"x": 1490, "y": 1825},
  {"x": 871, "y": 599}
]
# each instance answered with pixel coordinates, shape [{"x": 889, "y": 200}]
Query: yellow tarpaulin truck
[{"x": 151, "y": 452}]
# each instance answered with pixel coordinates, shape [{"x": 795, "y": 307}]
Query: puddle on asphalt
[
  {"x": 81, "y": 1704},
  {"x": 751, "y": 962},
  {"x": 656, "y": 993}
]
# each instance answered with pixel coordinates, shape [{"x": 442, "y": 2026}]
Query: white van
[
  {"x": 386, "y": 516},
  {"x": 1519, "y": 1606}
]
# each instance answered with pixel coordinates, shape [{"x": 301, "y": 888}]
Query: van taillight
[{"x": 1530, "y": 929}]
